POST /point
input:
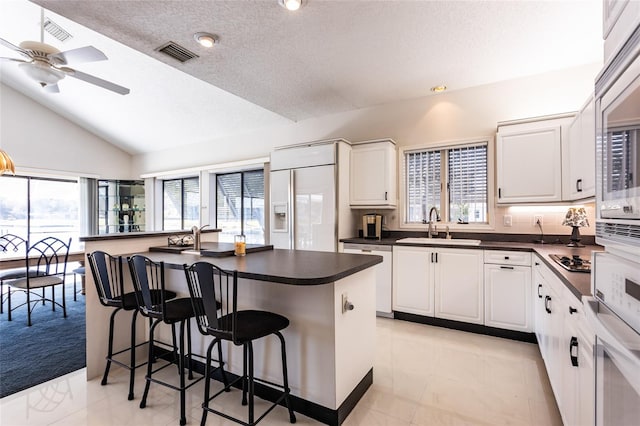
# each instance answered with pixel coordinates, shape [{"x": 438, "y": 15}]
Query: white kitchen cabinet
[
  {"x": 529, "y": 160},
  {"x": 507, "y": 297},
  {"x": 458, "y": 285},
  {"x": 441, "y": 282},
  {"x": 383, "y": 274},
  {"x": 413, "y": 280},
  {"x": 581, "y": 181},
  {"x": 620, "y": 18},
  {"x": 373, "y": 176}
]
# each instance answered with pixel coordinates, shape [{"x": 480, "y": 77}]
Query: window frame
[
  {"x": 182, "y": 198},
  {"x": 444, "y": 195}
]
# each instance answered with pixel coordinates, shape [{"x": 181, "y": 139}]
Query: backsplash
[{"x": 521, "y": 219}]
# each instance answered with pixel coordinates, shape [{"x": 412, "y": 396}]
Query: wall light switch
[{"x": 506, "y": 220}]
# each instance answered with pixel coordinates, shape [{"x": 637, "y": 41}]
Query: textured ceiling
[{"x": 334, "y": 56}]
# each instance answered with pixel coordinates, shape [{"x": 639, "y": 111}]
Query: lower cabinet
[
  {"x": 440, "y": 282},
  {"x": 566, "y": 345},
  {"x": 507, "y": 290}
]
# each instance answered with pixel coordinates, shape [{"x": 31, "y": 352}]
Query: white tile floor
[{"x": 423, "y": 375}]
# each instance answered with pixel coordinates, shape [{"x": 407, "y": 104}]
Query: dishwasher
[{"x": 383, "y": 274}]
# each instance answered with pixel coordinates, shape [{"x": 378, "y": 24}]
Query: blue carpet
[{"x": 51, "y": 347}]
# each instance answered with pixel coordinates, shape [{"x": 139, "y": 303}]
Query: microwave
[{"x": 617, "y": 94}]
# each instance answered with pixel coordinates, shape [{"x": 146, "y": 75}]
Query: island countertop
[{"x": 295, "y": 267}]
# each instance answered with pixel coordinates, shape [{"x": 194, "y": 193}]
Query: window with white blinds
[
  {"x": 181, "y": 203},
  {"x": 462, "y": 170},
  {"x": 240, "y": 206},
  {"x": 620, "y": 163}
]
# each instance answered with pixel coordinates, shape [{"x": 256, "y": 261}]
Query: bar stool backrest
[
  {"x": 217, "y": 314},
  {"x": 108, "y": 276},
  {"x": 148, "y": 282},
  {"x": 49, "y": 256},
  {"x": 12, "y": 243}
]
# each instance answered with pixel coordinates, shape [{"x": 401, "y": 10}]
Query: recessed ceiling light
[
  {"x": 290, "y": 4},
  {"x": 205, "y": 39},
  {"x": 438, "y": 89}
]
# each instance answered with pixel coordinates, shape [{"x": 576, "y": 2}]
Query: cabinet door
[
  {"x": 458, "y": 285},
  {"x": 373, "y": 174},
  {"x": 412, "y": 280},
  {"x": 507, "y": 297},
  {"x": 538, "y": 292},
  {"x": 529, "y": 163},
  {"x": 581, "y": 182},
  {"x": 383, "y": 278}
]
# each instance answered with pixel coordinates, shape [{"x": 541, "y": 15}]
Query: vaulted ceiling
[{"x": 272, "y": 66}]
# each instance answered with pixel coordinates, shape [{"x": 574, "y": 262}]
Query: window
[
  {"x": 180, "y": 203},
  {"x": 36, "y": 208},
  {"x": 452, "y": 179},
  {"x": 240, "y": 205}
]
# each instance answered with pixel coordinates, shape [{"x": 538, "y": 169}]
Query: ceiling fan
[{"x": 47, "y": 65}]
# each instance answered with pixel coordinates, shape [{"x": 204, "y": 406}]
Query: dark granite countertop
[
  {"x": 579, "y": 283},
  {"x": 295, "y": 267}
]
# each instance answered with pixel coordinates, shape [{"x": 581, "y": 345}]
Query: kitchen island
[{"x": 330, "y": 351}]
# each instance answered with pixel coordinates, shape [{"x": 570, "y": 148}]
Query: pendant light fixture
[{"x": 6, "y": 163}]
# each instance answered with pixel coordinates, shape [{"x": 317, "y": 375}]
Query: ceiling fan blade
[
  {"x": 77, "y": 56},
  {"x": 13, "y": 47},
  {"x": 51, "y": 88},
  {"x": 12, "y": 59},
  {"x": 95, "y": 80}
]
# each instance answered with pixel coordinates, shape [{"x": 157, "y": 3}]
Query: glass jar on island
[{"x": 240, "y": 245}]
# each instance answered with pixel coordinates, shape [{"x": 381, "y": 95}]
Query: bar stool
[
  {"x": 78, "y": 271},
  {"x": 107, "y": 272},
  {"x": 216, "y": 291},
  {"x": 148, "y": 277}
]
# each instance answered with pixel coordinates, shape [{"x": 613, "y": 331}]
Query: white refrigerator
[{"x": 309, "y": 196}]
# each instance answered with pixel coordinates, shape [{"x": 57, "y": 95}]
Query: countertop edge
[{"x": 124, "y": 235}]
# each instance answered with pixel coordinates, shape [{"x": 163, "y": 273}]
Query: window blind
[
  {"x": 423, "y": 175},
  {"x": 467, "y": 184}
]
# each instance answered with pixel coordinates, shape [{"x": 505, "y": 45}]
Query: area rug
[{"x": 51, "y": 347}]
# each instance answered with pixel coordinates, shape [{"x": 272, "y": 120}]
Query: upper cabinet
[
  {"x": 581, "y": 182},
  {"x": 529, "y": 160},
  {"x": 620, "y": 18},
  {"x": 373, "y": 174}
]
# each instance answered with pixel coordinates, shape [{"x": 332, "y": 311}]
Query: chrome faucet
[
  {"x": 433, "y": 231},
  {"x": 196, "y": 236}
]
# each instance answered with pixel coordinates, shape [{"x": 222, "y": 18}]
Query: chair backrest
[
  {"x": 108, "y": 277},
  {"x": 216, "y": 315},
  {"x": 148, "y": 283},
  {"x": 49, "y": 256},
  {"x": 12, "y": 243}
]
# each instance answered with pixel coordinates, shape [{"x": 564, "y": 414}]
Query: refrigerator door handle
[{"x": 292, "y": 212}]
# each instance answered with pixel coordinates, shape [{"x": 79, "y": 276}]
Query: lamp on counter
[
  {"x": 6, "y": 163},
  {"x": 576, "y": 217}
]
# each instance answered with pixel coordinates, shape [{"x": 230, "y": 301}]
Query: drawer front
[{"x": 507, "y": 257}]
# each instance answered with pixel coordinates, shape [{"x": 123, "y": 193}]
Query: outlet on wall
[
  {"x": 537, "y": 219},
  {"x": 507, "y": 220}
]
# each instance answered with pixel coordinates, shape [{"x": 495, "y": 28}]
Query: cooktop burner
[{"x": 573, "y": 263}]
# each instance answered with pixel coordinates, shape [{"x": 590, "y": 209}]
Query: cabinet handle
[
  {"x": 506, "y": 267},
  {"x": 539, "y": 287},
  {"x": 573, "y": 344},
  {"x": 365, "y": 251},
  {"x": 547, "y": 304},
  {"x": 506, "y": 258},
  {"x": 385, "y": 195},
  {"x": 572, "y": 310},
  {"x": 431, "y": 257},
  {"x": 536, "y": 263},
  {"x": 499, "y": 192},
  {"x": 579, "y": 185},
  {"x": 436, "y": 257}
]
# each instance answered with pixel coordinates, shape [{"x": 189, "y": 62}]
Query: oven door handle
[{"x": 611, "y": 333}]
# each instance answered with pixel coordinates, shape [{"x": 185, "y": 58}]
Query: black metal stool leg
[
  {"x": 225, "y": 381},
  {"x": 75, "y": 279},
  {"x": 285, "y": 378},
  {"x": 132, "y": 355},
  {"x": 207, "y": 383},
  {"x": 251, "y": 382},
  {"x": 181, "y": 359},
  {"x": 143, "y": 402},
  {"x": 189, "y": 363},
  {"x": 109, "y": 347},
  {"x": 244, "y": 374}
]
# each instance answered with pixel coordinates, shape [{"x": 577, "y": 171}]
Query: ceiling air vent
[
  {"x": 56, "y": 30},
  {"x": 176, "y": 51}
]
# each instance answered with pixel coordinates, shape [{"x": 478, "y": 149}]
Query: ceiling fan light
[
  {"x": 42, "y": 72},
  {"x": 6, "y": 163},
  {"x": 290, "y": 4},
  {"x": 205, "y": 39}
]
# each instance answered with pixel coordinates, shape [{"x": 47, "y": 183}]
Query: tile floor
[{"x": 423, "y": 375}]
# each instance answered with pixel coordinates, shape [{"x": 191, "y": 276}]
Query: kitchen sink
[{"x": 454, "y": 241}]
